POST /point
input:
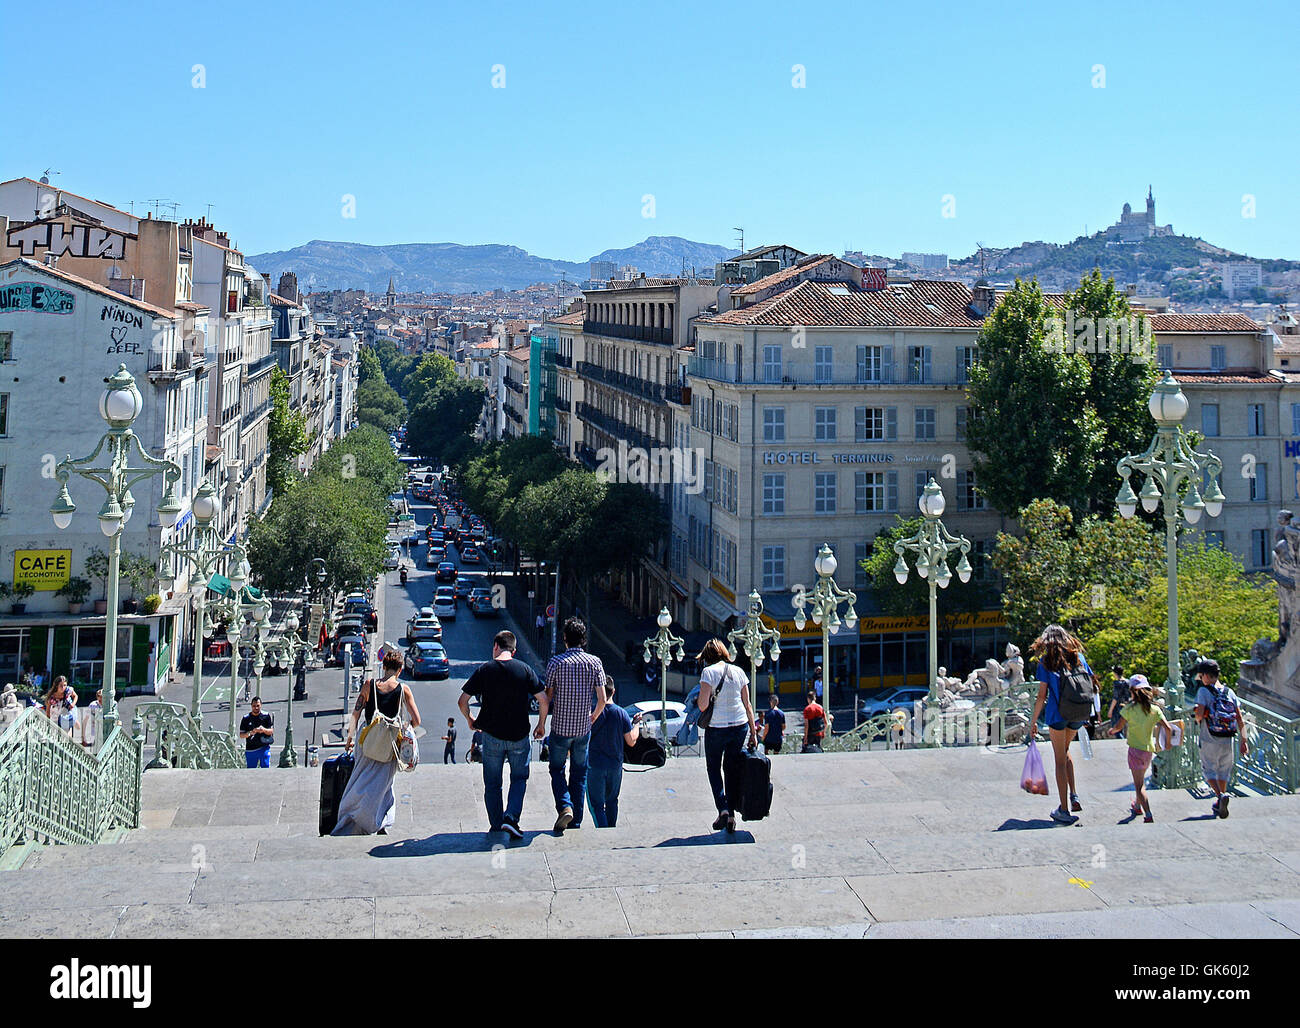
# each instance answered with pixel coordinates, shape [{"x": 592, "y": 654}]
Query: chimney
[
  {"x": 51, "y": 259},
  {"x": 983, "y": 297}
]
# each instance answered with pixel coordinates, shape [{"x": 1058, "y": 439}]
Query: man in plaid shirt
[{"x": 575, "y": 682}]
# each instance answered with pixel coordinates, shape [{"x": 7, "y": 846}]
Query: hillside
[{"x": 453, "y": 267}]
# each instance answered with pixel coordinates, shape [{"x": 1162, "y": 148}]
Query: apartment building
[{"x": 515, "y": 377}]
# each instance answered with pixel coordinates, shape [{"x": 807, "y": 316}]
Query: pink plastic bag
[{"x": 1033, "y": 779}]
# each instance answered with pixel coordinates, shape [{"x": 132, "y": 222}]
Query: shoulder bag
[
  {"x": 379, "y": 738},
  {"x": 707, "y": 716}
]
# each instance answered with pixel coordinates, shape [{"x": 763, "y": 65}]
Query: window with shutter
[
  {"x": 891, "y": 491},
  {"x": 891, "y": 423}
]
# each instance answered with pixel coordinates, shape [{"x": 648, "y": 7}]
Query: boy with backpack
[{"x": 1219, "y": 712}]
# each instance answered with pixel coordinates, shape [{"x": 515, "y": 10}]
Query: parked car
[
  {"x": 360, "y": 655},
  {"x": 481, "y": 605},
  {"x": 895, "y": 699},
  {"x": 649, "y": 711},
  {"x": 425, "y": 629},
  {"x": 427, "y": 658},
  {"x": 394, "y": 559},
  {"x": 369, "y": 616},
  {"x": 446, "y": 572},
  {"x": 349, "y": 624}
]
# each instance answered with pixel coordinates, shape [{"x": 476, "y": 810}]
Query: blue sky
[{"x": 991, "y": 104}]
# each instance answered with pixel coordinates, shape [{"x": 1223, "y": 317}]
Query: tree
[
  {"x": 1044, "y": 570},
  {"x": 1221, "y": 613},
  {"x": 286, "y": 436},
  {"x": 342, "y": 520},
  {"x": 433, "y": 370},
  {"x": 363, "y": 453},
  {"x": 369, "y": 369},
  {"x": 1119, "y": 385},
  {"x": 378, "y": 404},
  {"x": 1048, "y": 423},
  {"x": 449, "y": 412}
]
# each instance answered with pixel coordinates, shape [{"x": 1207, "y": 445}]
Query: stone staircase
[{"x": 888, "y": 844}]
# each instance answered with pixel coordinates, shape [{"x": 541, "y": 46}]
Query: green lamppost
[
  {"x": 234, "y": 607},
  {"x": 120, "y": 405},
  {"x": 663, "y": 644},
  {"x": 290, "y": 646},
  {"x": 203, "y": 559},
  {"x": 752, "y": 636},
  {"x": 1169, "y": 464},
  {"x": 826, "y": 600},
  {"x": 932, "y": 543}
]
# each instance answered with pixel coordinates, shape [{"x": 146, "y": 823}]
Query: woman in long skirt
[{"x": 368, "y": 806}]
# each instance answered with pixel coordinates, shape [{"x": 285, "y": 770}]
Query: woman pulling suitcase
[{"x": 368, "y": 805}]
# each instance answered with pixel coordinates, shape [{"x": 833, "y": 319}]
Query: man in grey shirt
[{"x": 1219, "y": 712}]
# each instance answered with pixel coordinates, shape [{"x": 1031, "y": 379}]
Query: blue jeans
[
  {"x": 572, "y": 792},
  {"x": 495, "y": 753},
  {"x": 259, "y": 757},
  {"x": 603, "y": 784},
  {"x": 720, "y": 743}
]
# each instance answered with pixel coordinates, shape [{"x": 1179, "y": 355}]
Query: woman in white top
[{"x": 725, "y": 736}]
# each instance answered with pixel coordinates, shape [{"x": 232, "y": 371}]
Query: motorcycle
[{"x": 402, "y": 575}]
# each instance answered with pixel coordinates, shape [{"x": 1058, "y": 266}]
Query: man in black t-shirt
[
  {"x": 449, "y": 751},
  {"x": 257, "y": 728},
  {"x": 505, "y": 688}
]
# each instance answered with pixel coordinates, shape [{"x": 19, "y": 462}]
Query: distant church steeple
[{"x": 391, "y": 296}]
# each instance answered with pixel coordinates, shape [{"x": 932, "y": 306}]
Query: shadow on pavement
[
  {"x": 712, "y": 839},
  {"x": 443, "y": 842},
  {"x": 1016, "y": 825}
]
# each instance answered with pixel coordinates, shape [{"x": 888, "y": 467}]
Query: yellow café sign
[
  {"x": 885, "y": 625},
  {"x": 44, "y": 570}
]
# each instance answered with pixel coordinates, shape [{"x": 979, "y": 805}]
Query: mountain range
[{"x": 454, "y": 267}]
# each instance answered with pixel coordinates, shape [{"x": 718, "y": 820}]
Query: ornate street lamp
[
  {"x": 663, "y": 645},
  {"x": 826, "y": 600},
  {"x": 289, "y": 646},
  {"x": 234, "y": 607},
  {"x": 203, "y": 560},
  {"x": 1169, "y": 464},
  {"x": 120, "y": 405},
  {"x": 753, "y": 635},
  {"x": 932, "y": 543}
]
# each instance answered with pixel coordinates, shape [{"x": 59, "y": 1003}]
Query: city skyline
[{"x": 561, "y": 139}]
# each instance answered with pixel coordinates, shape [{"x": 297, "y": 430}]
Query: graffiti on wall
[
  {"x": 112, "y": 312},
  {"x": 75, "y": 241},
  {"x": 33, "y": 296}
]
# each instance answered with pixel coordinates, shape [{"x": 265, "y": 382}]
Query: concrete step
[{"x": 924, "y": 841}]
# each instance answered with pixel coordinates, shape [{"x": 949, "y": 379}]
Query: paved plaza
[{"x": 881, "y": 844}]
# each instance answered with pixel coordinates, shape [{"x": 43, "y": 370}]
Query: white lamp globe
[
  {"x": 1167, "y": 404},
  {"x": 121, "y": 402},
  {"x": 665, "y": 619},
  {"x": 932, "y": 503},
  {"x": 826, "y": 562},
  {"x": 205, "y": 505}
]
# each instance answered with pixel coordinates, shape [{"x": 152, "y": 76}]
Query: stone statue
[
  {"x": 9, "y": 705},
  {"x": 1013, "y": 668},
  {"x": 943, "y": 688},
  {"x": 1286, "y": 570}
]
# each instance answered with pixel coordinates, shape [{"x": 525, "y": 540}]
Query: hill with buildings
[{"x": 453, "y": 267}]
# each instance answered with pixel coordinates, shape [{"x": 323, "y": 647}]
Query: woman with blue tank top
[{"x": 1056, "y": 650}]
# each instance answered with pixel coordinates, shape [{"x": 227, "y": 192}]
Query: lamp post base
[{"x": 288, "y": 755}]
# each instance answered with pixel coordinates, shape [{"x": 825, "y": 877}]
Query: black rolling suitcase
[
  {"x": 754, "y": 772},
  {"x": 334, "y": 775}
]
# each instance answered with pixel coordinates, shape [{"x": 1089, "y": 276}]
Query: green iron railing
[
  {"x": 53, "y": 790},
  {"x": 1273, "y": 764},
  {"x": 180, "y": 741}
]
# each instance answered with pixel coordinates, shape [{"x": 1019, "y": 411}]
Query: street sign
[{"x": 550, "y": 610}]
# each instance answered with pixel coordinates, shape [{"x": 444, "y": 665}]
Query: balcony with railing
[
  {"x": 680, "y": 394},
  {"x": 717, "y": 370},
  {"x": 616, "y": 429},
  {"x": 563, "y": 360},
  {"x": 638, "y": 333},
  {"x": 250, "y": 417},
  {"x": 167, "y": 364},
  {"x": 514, "y": 385},
  {"x": 639, "y": 387}
]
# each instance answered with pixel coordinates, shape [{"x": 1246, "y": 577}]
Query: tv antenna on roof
[
  {"x": 981, "y": 246},
  {"x": 45, "y": 177},
  {"x": 742, "y": 237}
]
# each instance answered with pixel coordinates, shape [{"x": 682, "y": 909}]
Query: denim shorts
[{"x": 1061, "y": 726}]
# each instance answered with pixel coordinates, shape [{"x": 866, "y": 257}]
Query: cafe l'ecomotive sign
[{"x": 44, "y": 570}]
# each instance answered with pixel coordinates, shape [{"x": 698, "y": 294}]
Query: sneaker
[
  {"x": 1074, "y": 802},
  {"x": 1062, "y": 817},
  {"x": 1134, "y": 809},
  {"x": 721, "y": 822},
  {"x": 1148, "y": 819},
  {"x": 564, "y": 820},
  {"x": 511, "y": 827},
  {"x": 1223, "y": 805}
]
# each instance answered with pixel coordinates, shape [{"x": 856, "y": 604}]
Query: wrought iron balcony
[{"x": 639, "y": 333}]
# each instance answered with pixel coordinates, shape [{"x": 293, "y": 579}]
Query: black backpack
[
  {"x": 1078, "y": 691},
  {"x": 1222, "y": 722}
]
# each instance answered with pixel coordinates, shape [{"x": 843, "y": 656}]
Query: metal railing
[
  {"x": 1273, "y": 764},
  {"x": 633, "y": 384},
  {"x": 180, "y": 741},
  {"x": 717, "y": 370},
  {"x": 54, "y": 790},
  {"x": 642, "y": 333}
]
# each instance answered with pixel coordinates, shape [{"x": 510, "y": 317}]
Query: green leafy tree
[
  {"x": 363, "y": 453},
  {"x": 432, "y": 371},
  {"x": 1053, "y": 562},
  {"x": 1119, "y": 385},
  {"x": 1221, "y": 612},
  {"x": 286, "y": 436},
  {"x": 379, "y": 405},
  {"x": 446, "y": 415},
  {"x": 369, "y": 369},
  {"x": 342, "y": 520}
]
